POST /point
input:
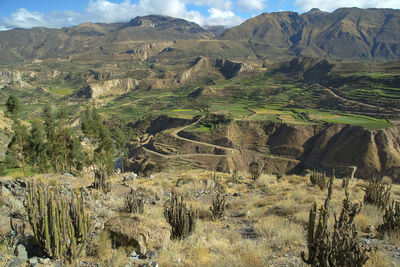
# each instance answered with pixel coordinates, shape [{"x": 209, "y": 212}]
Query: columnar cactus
[
  {"x": 60, "y": 224},
  {"x": 318, "y": 178},
  {"x": 342, "y": 246},
  {"x": 218, "y": 207},
  {"x": 134, "y": 202},
  {"x": 377, "y": 193},
  {"x": 182, "y": 219},
  {"x": 391, "y": 218}
]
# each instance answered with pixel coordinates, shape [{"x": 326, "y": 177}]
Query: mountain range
[{"x": 347, "y": 33}]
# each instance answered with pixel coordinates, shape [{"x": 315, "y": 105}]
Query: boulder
[{"x": 139, "y": 232}]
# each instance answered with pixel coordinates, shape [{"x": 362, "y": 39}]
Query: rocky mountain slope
[
  {"x": 280, "y": 148},
  {"x": 345, "y": 33}
]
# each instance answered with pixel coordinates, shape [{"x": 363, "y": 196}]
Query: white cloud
[
  {"x": 252, "y": 4},
  {"x": 330, "y": 5},
  {"x": 222, "y": 17},
  {"x": 219, "y": 13},
  {"x": 24, "y": 18}
]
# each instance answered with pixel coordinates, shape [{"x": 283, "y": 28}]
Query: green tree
[
  {"x": 18, "y": 143},
  {"x": 51, "y": 135},
  {"x": 38, "y": 148},
  {"x": 120, "y": 143},
  {"x": 103, "y": 154},
  {"x": 13, "y": 105}
]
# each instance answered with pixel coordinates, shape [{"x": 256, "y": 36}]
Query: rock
[
  {"x": 33, "y": 262},
  {"x": 152, "y": 255},
  {"x": 139, "y": 232},
  {"x": 133, "y": 255},
  {"x": 230, "y": 184},
  {"x": 150, "y": 264},
  {"x": 210, "y": 184},
  {"x": 58, "y": 263},
  {"x": 16, "y": 262},
  {"x": 370, "y": 229},
  {"x": 98, "y": 226},
  {"x": 129, "y": 176},
  {"x": 45, "y": 261},
  {"x": 20, "y": 252}
]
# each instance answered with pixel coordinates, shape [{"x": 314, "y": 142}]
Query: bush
[
  {"x": 182, "y": 219},
  {"x": 2, "y": 169}
]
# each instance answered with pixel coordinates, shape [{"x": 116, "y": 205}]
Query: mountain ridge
[{"x": 346, "y": 33}]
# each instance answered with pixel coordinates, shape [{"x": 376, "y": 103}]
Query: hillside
[
  {"x": 347, "y": 33},
  {"x": 344, "y": 33}
]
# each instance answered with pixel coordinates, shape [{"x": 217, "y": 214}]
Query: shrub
[
  {"x": 182, "y": 219},
  {"x": 59, "y": 223}
]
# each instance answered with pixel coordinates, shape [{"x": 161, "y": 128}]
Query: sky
[{"x": 58, "y": 14}]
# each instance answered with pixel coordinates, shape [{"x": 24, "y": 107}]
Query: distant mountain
[
  {"x": 345, "y": 33},
  {"x": 99, "y": 39}
]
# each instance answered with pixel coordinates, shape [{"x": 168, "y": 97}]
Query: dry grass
[
  {"x": 369, "y": 215},
  {"x": 280, "y": 232},
  {"x": 379, "y": 258},
  {"x": 276, "y": 210}
]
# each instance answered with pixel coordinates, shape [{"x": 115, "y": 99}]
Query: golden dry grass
[{"x": 277, "y": 212}]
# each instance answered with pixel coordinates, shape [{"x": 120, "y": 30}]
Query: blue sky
[{"x": 57, "y": 14}]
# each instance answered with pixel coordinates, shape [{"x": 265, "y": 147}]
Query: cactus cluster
[
  {"x": 340, "y": 247},
  {"x": 218, "y": 207},
  {"x": 377, "y": 194},
  {"x": 182, "y": 219},
  {"x": 102, "y": 182},
  {"x": 255, "y": 170},
  {"x": 391, "y": 218},
  {"x": 59, "y": 223},
  {"x": 134, "y": 202},
  {"x": 318, "y": 178}
]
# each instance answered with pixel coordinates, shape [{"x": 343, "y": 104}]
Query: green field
[{"x": 263, "y": 95}]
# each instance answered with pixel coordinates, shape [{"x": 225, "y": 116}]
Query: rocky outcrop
[
  {"x": 203, "y": 66},
  {"x": 11, "y": 78},
  {"x": 108, "y": 88},
  {"x": 138, "y": 232}
]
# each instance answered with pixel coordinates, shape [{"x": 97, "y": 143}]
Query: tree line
[{"x": 50, "y": 144}]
